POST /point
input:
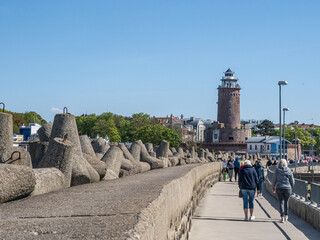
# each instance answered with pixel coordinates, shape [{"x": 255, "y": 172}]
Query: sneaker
[
  {"x": 286, "y": 218},
  {"x": 246, "y": 219},
  {"x": 252, "y": 218},
  {"x": 282, "y": 220}
]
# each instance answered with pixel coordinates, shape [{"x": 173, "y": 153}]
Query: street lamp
[
  {"x": 295, "y": 145},
  {"x": 312, "y": 150},
  {"x": 280, "y": 83},
  {"x": 284, "y": 131}
]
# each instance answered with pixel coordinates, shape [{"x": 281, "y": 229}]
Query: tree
[
  {"x": 108, "y": 128},
  {"x": 86, "y": 124},
  {"x": 266, "y": 127},
  {"x": 156, "y": 133},
  {"x": 34, "y": 117}
]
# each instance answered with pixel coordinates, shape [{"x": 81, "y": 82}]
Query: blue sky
[{"x": 159, "y": 57}]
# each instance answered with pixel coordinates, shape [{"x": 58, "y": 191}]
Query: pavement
[
  {"x": 220, "y": 216},
  {"x": 103, "y": 210}
]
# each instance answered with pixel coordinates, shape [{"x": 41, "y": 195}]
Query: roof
[
  {"x": 229, "y": 70},
  {"x": 263, "y": 139},
  {"x": 255, "y": 140}
]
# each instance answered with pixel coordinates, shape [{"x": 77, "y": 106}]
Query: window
[
  {"x": 230, "y": 138},
  {"x": 268, "y": 147},
  {"x": 255, "y": 147},
  {"x": 215, "y": 136},
  {"x": 230, "y": 103},
  {"x": 250, "y": 147},
  {"x": 230, "y": 111},
  {"x": 229, "y": 119}
]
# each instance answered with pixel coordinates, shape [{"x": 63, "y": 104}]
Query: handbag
[{"x": 240, "y": 194}]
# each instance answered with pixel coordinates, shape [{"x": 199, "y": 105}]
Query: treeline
[
  {"x": 121, "y": 129},
  {"x": 25, "y": 118},
  {"x": 266, "y": 127}
]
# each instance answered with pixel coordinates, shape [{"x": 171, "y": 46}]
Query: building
[
  {"x": 199, "y": 127},
  {"x": 29, "y": 132},
  {"x": 265, "y": 145},
  {"x": 228, "y": 127},
  {"x": 17, "y": 139}
]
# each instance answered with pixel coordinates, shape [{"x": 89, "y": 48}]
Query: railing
[
  {"x": 315, "y": 193},
  {"x": 300, "y": 188}
]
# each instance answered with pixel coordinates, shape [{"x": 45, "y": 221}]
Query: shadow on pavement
[{"x": 293, "y": 219}]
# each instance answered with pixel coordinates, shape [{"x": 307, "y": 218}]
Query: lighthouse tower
[{"x": 229, "y": 101}]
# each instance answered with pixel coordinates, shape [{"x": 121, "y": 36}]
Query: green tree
[
  {"x": 18, "y": 120},
  {"x": 86, "y": 124},
  {"x": 106, "y": 127},
  {"x": 266, "y": 128},
  {"x": 34, "y": 117},
  {"x": 123, "y": 127},
  {"x": 156, "y": 133}
]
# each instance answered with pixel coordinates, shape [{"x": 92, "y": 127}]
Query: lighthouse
[{"x": 229, "y": 101}]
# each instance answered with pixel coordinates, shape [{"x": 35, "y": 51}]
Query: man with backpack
[
  {"x": 237, "y": 167},
  {"x": 260, "y": 172},
  {"x": 230, "y": 167}
]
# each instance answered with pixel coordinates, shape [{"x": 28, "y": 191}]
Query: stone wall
[{"x": 169, "y": 216}]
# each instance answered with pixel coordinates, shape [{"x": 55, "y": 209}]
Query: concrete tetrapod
[
  {"x": 145, "y": 157},
  {"x": 89, "y": 154},
  {"x": 201, "y": 154},
  {"x": 173, "y": 150},
  {"x": 42, "y": 148},
  {"x": 127, "y": 155},
  {"x": 97, "y": 164},
  {"x": 86, "y": 146},
  {"x": 149, "y": 147},
  {"x": 44, "y": 132},
  {"x": 113, "y": 158},
  {"x": 6, "y": 140},
  {"x": 48, "y": 180},
  {"x": 181, "y": 152},
  {"x": 33, "y": 145},
  {"x": 59, "y": 155},
  {"x": 135, "y": 150},
  {"x": 16, "y": 182},
  {"x": 163, "y": 149},
  {"x": 64, "y": 125},
  {"x": 100, "y": 145}
]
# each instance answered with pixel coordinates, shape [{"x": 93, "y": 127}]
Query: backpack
[
  {"x": 230, "y": 165},
  {"x": 237, "y": 164},
  {"x": 260, "y": 173}
]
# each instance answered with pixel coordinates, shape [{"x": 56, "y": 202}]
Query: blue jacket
[
  {"x": 237, "y": 163},
  {"x": 248, "y": 178},
  {"x": 260, "y": 171}
]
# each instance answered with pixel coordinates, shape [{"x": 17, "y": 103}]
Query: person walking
[
  {"x": 230, "y": 168},
  {"x": 269, "y": 163},
  {"x": 260, "y": 172},
  {"x": 283, "y": 183},
  {"x": 237, "y": 166},
  {"x": 248, "y": 183}
]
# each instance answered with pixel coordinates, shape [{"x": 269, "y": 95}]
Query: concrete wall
[
  {"x": 303, "y": 209},
  {"x": 169, "y": 216}
]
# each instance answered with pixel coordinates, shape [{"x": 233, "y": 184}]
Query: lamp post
[
  {"x": 295, "y": 145},
  {"x": 280, "y": 83},
  {"x": 284, "y": 131},
  {"x": 312, "y": 151}
]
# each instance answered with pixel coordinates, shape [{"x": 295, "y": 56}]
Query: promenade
[{"x": 220, "y": 216}]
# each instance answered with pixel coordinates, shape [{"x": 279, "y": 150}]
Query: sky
[{"x": 159, "y": 57}]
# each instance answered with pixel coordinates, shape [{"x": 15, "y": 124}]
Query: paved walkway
[{"x": 220, "y": 216}]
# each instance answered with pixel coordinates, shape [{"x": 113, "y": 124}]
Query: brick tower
[{"x": 229, "y": 101}]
